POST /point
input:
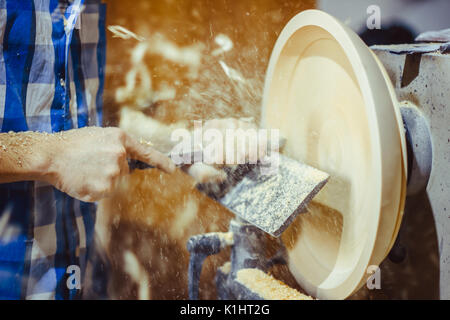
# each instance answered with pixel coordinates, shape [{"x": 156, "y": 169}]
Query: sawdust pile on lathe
[{"x": 267, "y": 286}]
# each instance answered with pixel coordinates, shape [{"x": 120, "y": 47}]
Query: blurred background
[{"x": 416, "y": 15}]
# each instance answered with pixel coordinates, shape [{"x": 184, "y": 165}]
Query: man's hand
[
  {"x": 89, "y": 161},
  {"x": 84, "y": 163}
]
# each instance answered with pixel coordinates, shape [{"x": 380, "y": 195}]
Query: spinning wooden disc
[{"x": 330, "y": 97}]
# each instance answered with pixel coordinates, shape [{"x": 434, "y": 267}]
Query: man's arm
[
  {"x": 22, "y": 156},
  {"x": 85, "y": 163}
]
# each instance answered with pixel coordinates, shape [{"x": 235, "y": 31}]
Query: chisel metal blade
[{"x": 272, "y": 201}]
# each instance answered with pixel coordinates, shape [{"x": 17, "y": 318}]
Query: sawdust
[
  {"x": 138, "y": 275},
  {"x": 268, "y": 287},
  {"x": 226, "y": 267},
  {"x": 123, "y": 33},
  {"x": 317, "y": 215},
  {"x": 203, "y": 173},
  {"x": 153, "y": 201},
  {"x": 226, "y": 238},
  {"x": 225, "y": 44},
  {"x": 218, "y": 87},
  {"x": 269, "y": 201},
  {"x": 185, "y": 217},
  {"x": 18, "y": 149}
]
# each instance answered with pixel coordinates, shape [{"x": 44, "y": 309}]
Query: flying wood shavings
[
  {"x": 203, "y": 173},
  {"x": 138, "y": 274},
  {"x": 164, "y": 93},
  {"x": 190, "y": 55},
  {"x": 141, "y": 126},
  {"x": 123, "y": 33},
  {"x": 215, "y": 88},
  {"x": 138, "y": 91},
  {"x": 225, "y": 44},
  {"x": 231, "y": 73},
  {"x": 185, "y": 218}
]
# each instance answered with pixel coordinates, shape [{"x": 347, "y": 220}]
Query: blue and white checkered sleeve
[{"x": 86, "y": 65}]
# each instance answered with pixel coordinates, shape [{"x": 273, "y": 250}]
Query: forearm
[
  {"x": 25, "y": 156},
  {"x": 84, "y": 163}
]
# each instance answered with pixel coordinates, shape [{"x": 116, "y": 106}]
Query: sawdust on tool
[
  {"x": 271, "y": 201},
  {"x": 267, "y": 286}
]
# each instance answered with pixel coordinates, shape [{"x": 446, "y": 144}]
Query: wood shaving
[{"x": 123, "y": 33}]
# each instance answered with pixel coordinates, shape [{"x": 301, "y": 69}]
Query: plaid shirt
[{"x": 52, "y": 58}]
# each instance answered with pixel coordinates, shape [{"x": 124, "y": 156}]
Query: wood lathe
[{"x": 340, "y": 112}]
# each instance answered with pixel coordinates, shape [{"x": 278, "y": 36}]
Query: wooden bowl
[{"x": 330, "y": 97}]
